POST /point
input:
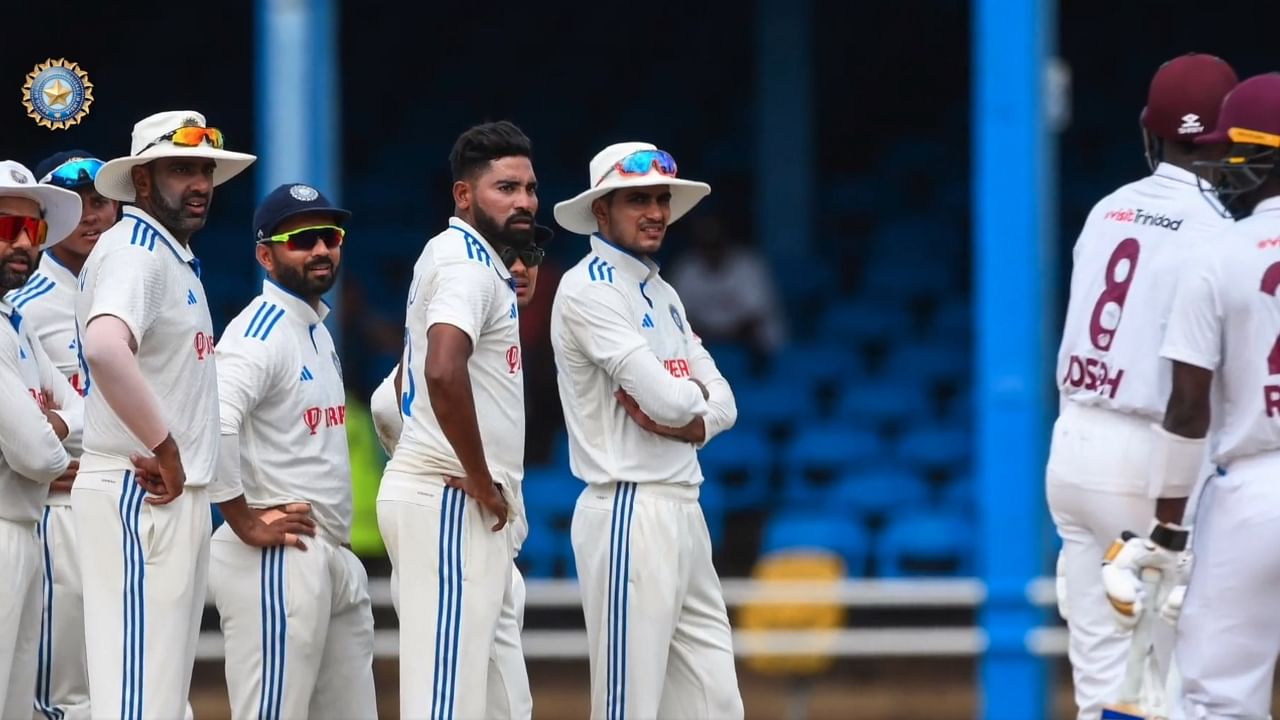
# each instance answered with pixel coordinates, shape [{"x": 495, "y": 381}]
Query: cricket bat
[{"x": 1132, "y": 703}]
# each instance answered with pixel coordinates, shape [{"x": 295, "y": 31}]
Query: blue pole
[
  {"x": 1011, "y": 187},
  {"x": 298, "y": 130}
]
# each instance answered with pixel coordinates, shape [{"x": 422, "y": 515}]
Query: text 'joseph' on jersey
[
  {"x": 48, "y": 302},
  {"x": 616, "y": 323},
  {"x": 1226, "y": 318},
  {"x": 1125, "y": 267},
  {"x": 459, "y": 280},
  {"x": 140, "y": 274},
  {"x": 280, "y": 389}
]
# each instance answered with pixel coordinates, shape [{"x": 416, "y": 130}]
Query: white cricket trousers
[
  {"x": 658, "y": 633},
  {"x": 298, "y": 627},
  {"x": 144, "y": 570},
  {"x": 509, "y": 694},
  {"x": 62, "y": 678},
  {"x": 1229, "y": 632},
  {"x": 19, "y": 616},
  {"x": 1099, "y": 463},
  {"x": 453, "y": 574}
]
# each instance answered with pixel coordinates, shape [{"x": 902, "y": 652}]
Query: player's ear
[
  {"x": 462, "y": 195},
  {"x": 265, "y": 259},
  {"x": 141, "y": 176},
  {"x": 600, "y": 209}
]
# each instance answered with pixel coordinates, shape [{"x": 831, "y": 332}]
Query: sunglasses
[
  {"x": 307, "y": 237},
  {"x": 190, "y": 136},
  {"x": 74, "y": 173},
  {"x": 643, "y": 163},
  {"x": 531, "y": 256},
  {"x": 11, "y": 226}
]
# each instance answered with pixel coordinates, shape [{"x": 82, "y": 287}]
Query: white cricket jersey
[
  {"x": 1226, "y": 318},
  {"x": 1125, "y": 265},
  {"x": 280, "y": 389},
  {"x": 31, "y": 456},
  {"x": 140, "y": 274},
  {"x": 48, "y": 304},
  {"x": 459, "y": 280},
  {"x": 616, "y": 323}
]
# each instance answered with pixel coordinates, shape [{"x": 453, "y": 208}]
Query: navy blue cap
[
  {"x": 51, "y": 163},
  {"x": 288, "y": 200}
]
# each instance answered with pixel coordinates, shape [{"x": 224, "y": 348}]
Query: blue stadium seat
[
  {"x": 957, "y": 494},
  {"x": 894, "y": 278},
  {"x": 815, "y": 529},
  {"x": 733, "y": 361},
  {"x": 550, "y": 494},
  {"x": 930, "y": 362},
  {"x": 775, "y": 405},
  {"x": 806, "y": 365},
  {"x": 821, "y": 453},
  {"x": 896, "y": 401},
  {"x": 740, "y": 462},
  {"x": 936, "y": 448},
  {"x": 910, "y": 238},
  {"x": 860, "y": 321},
  {"x": 952, "y": 322},
  {"x": 712, "y": 497},
  {"x": 925, "y": 543},
  {"x": 546, "y": 553},
  {"x": 879, "y": 492}
]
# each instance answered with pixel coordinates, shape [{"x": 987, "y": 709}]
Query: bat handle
[{"x": 1140, "y": 645}]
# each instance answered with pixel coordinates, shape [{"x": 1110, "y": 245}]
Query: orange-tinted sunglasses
[
  {"x": 11, "y": 226},
  {"x": 191, "y": 136}
]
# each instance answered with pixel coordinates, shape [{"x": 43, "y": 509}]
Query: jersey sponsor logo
[
  {"x": 1269, "y": 243},
  {"x": 678, "y": 367},
  {"x": 599, "y": 270},
  {"x": 1190, "y": 125},
  {"x": 647, "y": 322},
  {"x": 316, "y": 417},
  {"x": 514, "y": 363},
  {"x": 203, "y": 344},
  {"x": 191, "y": 297},
  {"x": 39, "y": 398},
  {"x": 306, "y": 375},
  {"x": 1135, "y": 216},
  {"x": 513, "y": 314},
  {"x": 75, "y": 384},
  {"x": 1093, "y": 375}
]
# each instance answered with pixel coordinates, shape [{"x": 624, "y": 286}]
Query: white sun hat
[
  {"x": 149, "y": 142},
  {"x": 575, "y": 215},
  {"x": 61, "y": 208}
]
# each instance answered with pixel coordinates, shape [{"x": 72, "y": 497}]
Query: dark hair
[{"x": 475, "y": 148}]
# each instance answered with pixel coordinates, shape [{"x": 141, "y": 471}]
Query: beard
[
  {"x": 298, "y": 281},
  {"x": 11, "y": 279},
  {"x": 174, "y": 215},
  {"x": 505, "y": 234}
]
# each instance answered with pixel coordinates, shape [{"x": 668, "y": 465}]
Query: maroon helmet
[{"x": 1250, "y": 121}]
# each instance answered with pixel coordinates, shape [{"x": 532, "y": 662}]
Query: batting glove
[{"x": 1123, "y": 565}]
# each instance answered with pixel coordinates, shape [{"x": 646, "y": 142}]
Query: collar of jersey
[
  {"x": 1173, "y": 172},
  {"x": 181, "y": 251},
  {"x": 640, "y": 268},
  {"x": 294, "y": 304},
  {"x": 53, "y": 267},
  {"x": 1271, "y": 204},
  {"x": 458, "y": 223},
  {"x": 6, "y": 307}
]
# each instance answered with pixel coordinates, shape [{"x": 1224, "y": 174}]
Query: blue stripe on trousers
[
  {"x": 449, "y": 604},
  {"x": 619, "y": 572},
  {"x": 132, "y": 675}
]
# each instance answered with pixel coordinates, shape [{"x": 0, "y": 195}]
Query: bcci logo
[{"x": 57, "y": 94}]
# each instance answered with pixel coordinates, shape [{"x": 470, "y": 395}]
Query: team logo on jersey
[
  {"x": 304, "y": 193},
  {"x": 315, "y": 417},
  {"x": 675, "y": 317},
  {"x": 337, "y": 365},
  {"x": 514, "y": 364},
  {"x": 1135, "y": 216},
  {"x": 1190, "y": 125},
  {"x": 203, "y": 345},
  {"x": 57, "y": 94}
]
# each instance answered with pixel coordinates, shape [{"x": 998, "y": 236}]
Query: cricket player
[
  {"x": 296, "y": 615},
  {"x": 47, "y": 303},
  {"x": 151, "y": 404},
  {"x": 509, "y": 694},
  {"x": 1111, "y": 380},
  {"x": 40, "y": 430},
  {"x": 640, "y": 396},
  {"x": 1224, "y": 327},
  {"x": 454, "y": 480}
]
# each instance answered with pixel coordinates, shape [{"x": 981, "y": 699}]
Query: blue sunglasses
[
  {"x": 74, "y": 173},
  {"x": 643, "y": 162}
]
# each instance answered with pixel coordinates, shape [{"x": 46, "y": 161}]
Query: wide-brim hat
[
  {"x": 575, "y": 215},
  {"x": 61, "y": 208},
  {"x": 114, "y": 179}
]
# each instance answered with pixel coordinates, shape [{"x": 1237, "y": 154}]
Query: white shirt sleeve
[
  {"x": 27, "y": 441},
  {"x": 1194, "y": 334},
  {"x": 597, "y": 318},
  {"x": 722, "y": 408},
  {"x": 385, "y": 409},
  {"x": 461, "y": 295},
  {"x": 247, "y": 372},
  {"x": 70, "y": 406},
  {"x": 129, "y": 284}
]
